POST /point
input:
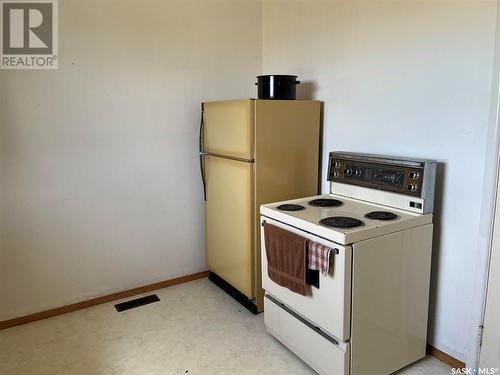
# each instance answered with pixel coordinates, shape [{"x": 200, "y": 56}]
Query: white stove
[{"x": 369, "y": 314}]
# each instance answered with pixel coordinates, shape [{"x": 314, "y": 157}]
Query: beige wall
[
  {"x": 408, "y": 78},
  {"x": 99, "y": 175}
]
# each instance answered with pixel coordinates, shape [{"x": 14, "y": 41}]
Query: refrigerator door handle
[
  {"x": 203, "y": 178},
  {"x": 229, "y": 157},
  {"x": 202, "y": 126}
]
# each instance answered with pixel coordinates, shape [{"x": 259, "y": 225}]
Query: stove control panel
[
  {"x": 376, "y": 178},
  {"x": 404, "y": 176},
  {"x": 399, "y": 179}
]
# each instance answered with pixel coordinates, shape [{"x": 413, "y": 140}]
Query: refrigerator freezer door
[
  {"x": 229, "y": 213},
  {"x": 227, "y": 128}
]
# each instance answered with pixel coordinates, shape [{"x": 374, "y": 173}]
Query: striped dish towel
[{"x": 318, "y": 257}]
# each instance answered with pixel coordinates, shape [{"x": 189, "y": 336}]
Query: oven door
[{"x": 328, "y": 306}]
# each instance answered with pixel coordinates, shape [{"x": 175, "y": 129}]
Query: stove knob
[
  {"x": 357, "y": 172},
  {"x": 335, "y": 174},
  {"x": 413, "y": 175},
  {"x": 348, "y": 171},
  {"x": 412, "y": 187},
  {"x": 337, "y": 164}
]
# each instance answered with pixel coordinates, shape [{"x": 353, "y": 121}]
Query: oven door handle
[{"x": 334, "y": 249}]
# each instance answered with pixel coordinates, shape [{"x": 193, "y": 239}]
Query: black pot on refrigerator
[{"x": 278, "y": 87}]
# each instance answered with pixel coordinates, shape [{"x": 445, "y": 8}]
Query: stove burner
[
  {"x": 341, "y": 222},
  {"x": 381, "y": 215},
  {"x": 290, "y": 207},
  {"x": 325, "y": 202}
]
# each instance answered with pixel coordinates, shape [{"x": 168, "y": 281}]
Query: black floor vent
[{"x": 136, "y": 303}]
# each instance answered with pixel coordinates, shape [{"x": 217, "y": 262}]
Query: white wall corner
[{"x": 487, "y": 211}]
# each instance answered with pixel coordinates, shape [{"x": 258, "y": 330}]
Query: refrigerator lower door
[{"x": 229, "y": 216}]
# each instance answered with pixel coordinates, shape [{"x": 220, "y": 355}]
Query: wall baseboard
[
  {"x": 99, "y": 300},
  {"x": 445, "y": 358}
]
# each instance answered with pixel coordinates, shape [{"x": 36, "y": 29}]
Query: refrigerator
[{"x": 252, "y": 152}]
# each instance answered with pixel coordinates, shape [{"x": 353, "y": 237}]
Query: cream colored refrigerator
[{"x": 252, "y": 152}]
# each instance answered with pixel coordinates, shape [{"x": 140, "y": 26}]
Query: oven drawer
[
  {"x": 324, "y": 356},
  {"x": 329, "y": 306}
]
